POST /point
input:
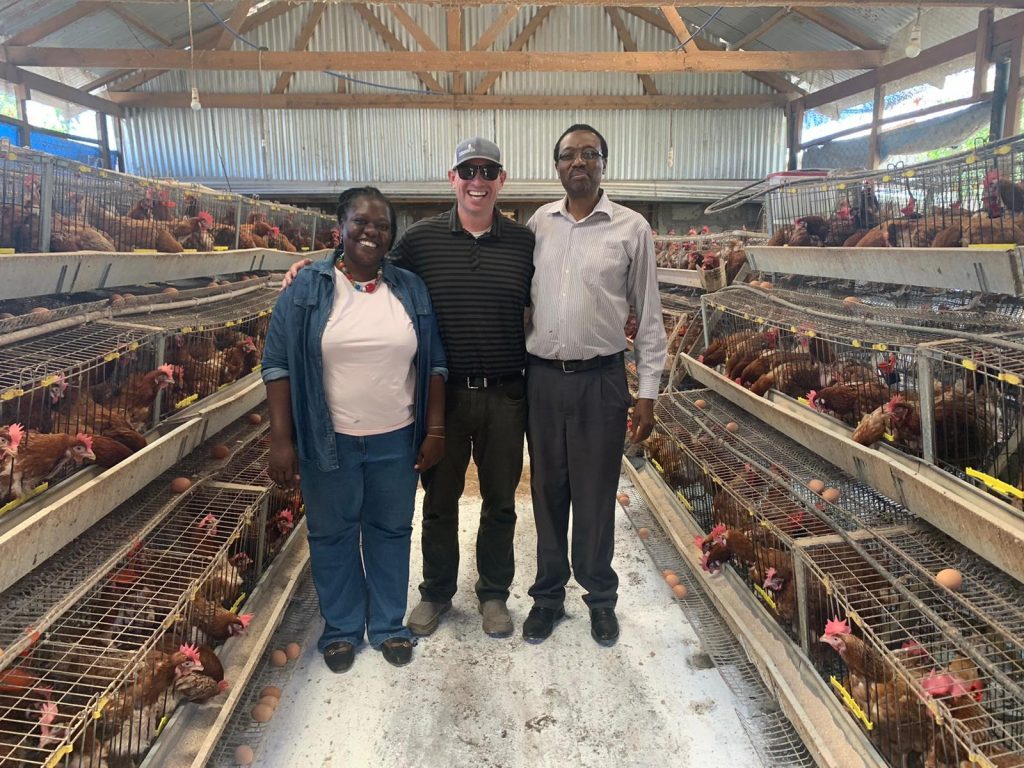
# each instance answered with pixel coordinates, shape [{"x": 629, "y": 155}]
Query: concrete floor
[{"x": 472, "y": 701}]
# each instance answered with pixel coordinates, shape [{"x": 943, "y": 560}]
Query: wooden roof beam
[
  {"x": 55, "y": 23},
  {"x": 629, "y": 44},
  {"x": 1003, "y": 31},
  {"x": 132, "y": 20},
  {"x": 202, "y": 38},
  {"x": 418, "y": 33},
  {"x": 491, "y": 33},
  {"x": 316, "y": 13},
  {"x": 535, "y": 22},
  {"x": 772, "y": 80},
  {"x": 385, "y": 34},
  {"x": 34, "y": 82},
  {"x": 403, "y": 60},
  {"x": 453, "y": 38},
  {"x": 839, "y": 29},
  {"x": 763, "y": 27},
  {"x": 444, "y": 101},
  {"x": 233, "y": 23},
  {"x": 679, "y": 29}
]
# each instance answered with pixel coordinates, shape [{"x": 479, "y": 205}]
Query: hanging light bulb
[
  {"x": 194, "y": 105},
  {"x": 913, "y": 49}
]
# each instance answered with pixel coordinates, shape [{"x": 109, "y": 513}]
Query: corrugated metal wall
[{"x": 325, "y": 148}]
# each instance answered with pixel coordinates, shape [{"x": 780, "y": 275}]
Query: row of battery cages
[
  {"x": 98, "y": 210},
  {"x": 974, "y": 198},
  {"x": 107, "y": 637},
  {"x": 851, "y": 360},
  {"x": 114, "y": 380},
  {"x": 932, "y": 676}
]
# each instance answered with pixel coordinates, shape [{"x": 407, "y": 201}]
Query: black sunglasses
[{"x": 490, "y": 171}]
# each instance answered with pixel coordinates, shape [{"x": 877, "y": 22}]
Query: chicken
[
  {"x": 841, "y": 226},
  {"x": 722, "y": 545},
  {"x": 275, "y": 239},
  {"x": 41, "y": 457},
  {"x": 77, "y": 409},
  {"x": 183, "y": 348},
  {"x": 878, "y": 237},
  {"x": 1012, "y": 194},
  {"x": 866, "y": 209},
  {"x": 205, "y": 682},
  {"x": 199, "y": 236},
  {"x": 278, "y": 528},
  {"x": 70, "y": 235},
  {"x": 901, "y": 722},
  {"x": 764, "y": 362},
  {"x": 809, "y": 231},
  {"x": 957, "y": 695},
  {"x": 791, "y": 378},
  {"x": 873, "y": 426},
  {"x": 140, "y": 391},
  {"x": 109, "y": 451},
  {"x": 128, "y": 233},
  {"x": 239, "y": 360},
  {"x": 719, "y": 349},
  {"x": 218, "y": 623},
  {"x": 849, "y": 401},
  {"x": 744, "y": 352},
  {"x": 10, "y": 439},
  {"x": 225, "y": 582}
]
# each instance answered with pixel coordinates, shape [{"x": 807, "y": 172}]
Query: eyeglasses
[
  {"x": 468, "y": 172},
  {"x": 588, "y": 155}
]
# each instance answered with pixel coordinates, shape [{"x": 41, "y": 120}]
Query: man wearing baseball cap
[{"x": 478, "y": 266}]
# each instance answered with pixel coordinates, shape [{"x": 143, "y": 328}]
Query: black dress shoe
[
  {"x": 604, "y": 627},
  {"x": 541, "y": 623},
  {"x": 339, "y": 656},
  {"x": 397, "y": 651}
]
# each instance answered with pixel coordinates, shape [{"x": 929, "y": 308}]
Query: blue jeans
[{"x": 368, "y": 500}]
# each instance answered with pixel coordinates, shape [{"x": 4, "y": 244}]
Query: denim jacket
[{"x": 293, "y": 351}]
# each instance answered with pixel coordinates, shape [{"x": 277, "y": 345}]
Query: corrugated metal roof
[{"x": 324, "y": 146}]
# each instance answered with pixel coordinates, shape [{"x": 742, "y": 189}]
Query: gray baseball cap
[{"x": 476, "y": 148}]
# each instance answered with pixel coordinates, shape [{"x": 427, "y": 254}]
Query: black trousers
[
  {"x": 487, "y": 424},
  {"x": 575, "y": 430}
]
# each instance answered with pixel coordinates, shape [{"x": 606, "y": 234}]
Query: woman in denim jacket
[{"x": 355, "y": 373}]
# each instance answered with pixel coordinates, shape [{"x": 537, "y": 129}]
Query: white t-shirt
[{"x": 369, "y": 349}]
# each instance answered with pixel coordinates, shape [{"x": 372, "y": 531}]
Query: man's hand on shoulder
[{"x": 293, "y": 270}]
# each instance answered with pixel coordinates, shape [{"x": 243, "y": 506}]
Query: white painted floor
[{"x": 468, "y": 700}]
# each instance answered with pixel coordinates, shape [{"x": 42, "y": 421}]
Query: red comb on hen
[{"x": 837, "y": 627}]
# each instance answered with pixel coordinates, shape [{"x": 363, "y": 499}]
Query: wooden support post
[
  {"x": 983, "y": 51},
  {"x": 1011, "y": 114},
  {"x": 999, "y": 98},
  {"x": 794, "y": 132},
  {"x": 878, "y": 105},
  {"x": 104, "y": 136}
]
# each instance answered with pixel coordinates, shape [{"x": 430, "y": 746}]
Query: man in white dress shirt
[{"x": 594, "y": 259}]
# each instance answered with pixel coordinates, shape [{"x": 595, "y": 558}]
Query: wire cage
[
  {"x": 272, "y": 225},
  {"x": 973, "y": 198},
  {"x": 99, "y": 379},
  {"x": 21, "y": 177},
  {"x": 94, "y": 687},
  {"x": 718, "y": 258}
]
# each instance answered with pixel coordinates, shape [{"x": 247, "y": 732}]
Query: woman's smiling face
[{"x": 366, "y": 234}]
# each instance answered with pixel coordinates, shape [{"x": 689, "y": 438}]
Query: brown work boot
[
  {"x": 497, "y": 622},
  {"x": 425, "y": 616}
]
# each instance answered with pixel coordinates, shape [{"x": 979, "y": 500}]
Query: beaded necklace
[{"x": 368, "y": 286}]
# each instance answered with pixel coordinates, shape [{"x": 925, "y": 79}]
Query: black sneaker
[
  {"x": 604, "y": 627},
  {"x": 541, "y": 623},
  {"x": 339, "y": 656},
  {"x": 397, "y": 651}
]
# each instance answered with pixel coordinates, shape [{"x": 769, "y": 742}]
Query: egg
[
  {"x": 41, "y": 313},
  {"x": 767, "y": 285},
  {"x": 128, "y": 297},
  {"x": 169, "y": 290},
  {"x": 255, "y": 418},
  {"x": 278, "y": 658},
  {"x": 244, "y": 755},
  {"x": 700, "y": 403},
  {"x": 180, "y": 484},
  {"x": 732, "y": 426},
  {"x": 116, "y": 299},
  {"x": 623, "y": 499},
  {"x": 816, "y": 486},
  {"x": 5, "y": 315},
  {"x": 644, "y": 533},
  {"x": 679, "y": 590},
  {"x": 671, "y": 579},
  {"x": 849, "y": 301},
  {"x": 293, "y": 651},
  {"x": 666, "y": 572},
  {"x": 220, "y": 451},
  {"x": 950, "y": 578},
  {"x": 831, "y": 495},
  {"x": 271, "y": 690},
  {"x": 261, "y": 713},
  {"x": 270, "y": 701},
  {"x": 212, "y": 284}
]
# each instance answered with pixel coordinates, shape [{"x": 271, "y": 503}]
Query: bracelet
[
  {"x": 437, "y": 426},
  {"x": 439, "y": 437}
]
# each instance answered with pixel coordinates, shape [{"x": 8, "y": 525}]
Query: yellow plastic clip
[
  {"x": 889, "y": 436},
  {"x": 144, "y": 250},
  {"x": 852, "y": 705},
  {"x": 1003, "y": 150},
  {"x": 163, "y": 722},
  {"x": 257, "y": 368},
  {"x": 909, "y": 174},
  {"x": 855, "y": 343},
  {"x": 186, "y": 402},
  {"x": 657, "y": 466},
  {"x": 9, "y": 506},
  {"x": 1009, "y": 378},
  {"x": 48, "y": 381},
  {"x": 976, "y": 757},
  {"x": 880, "y": 347},
  {"x": 886, "y": 179},
  {"x": 763, "y": 594},
  {"x": 220, "y": 247},
  {"x": 100, "y": 705},
  {"x": 187, "y": 250},
  {"x": 971, "y": 159},
  {"x": 934, "y": 709},
  {"x": 238, "y": 603},
  {"x": 59, "y": 754},
  {"x": 759, "y": 320},
  {"x": 7, "y": 251},
  {"x": 792, "y": 329},
  {"x": 261, "y": 313},
  {"x": 111, "y": 356},
  {"x": 970, "y": 365},
  {"x": 186, "y": 329},
  {"x": 995, "y": 483},
  {"x": 746, "y": 315},
  {"x": 85, "y": 169},
  {"x": 810, "y": 334},
  {"x": 133, "y": 346},
  {"x": 855, "y": 618},
  {"x": 229, "y": 323}
]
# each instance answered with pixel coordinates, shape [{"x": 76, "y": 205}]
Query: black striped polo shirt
[{"x": 479, "y": 287}]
